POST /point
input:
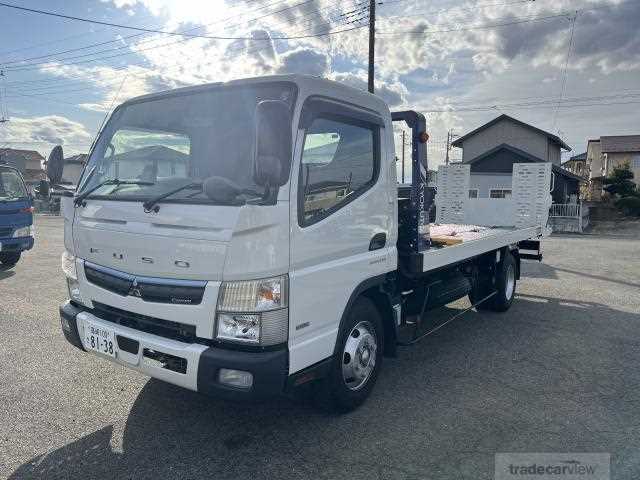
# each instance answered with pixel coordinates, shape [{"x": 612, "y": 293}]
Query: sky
[{"x": 571, "y": 67}]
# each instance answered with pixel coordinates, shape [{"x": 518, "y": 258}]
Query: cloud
[
  {"x": 392, "y": 92},
  {"x": 116, "y": 85},
  {"x": 606, "y": 37},
  {"x": 45, "y": 132},
  {"x": 304, "y": 60}
]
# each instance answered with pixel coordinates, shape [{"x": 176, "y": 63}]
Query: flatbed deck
[{"x": 476, "y": 240}]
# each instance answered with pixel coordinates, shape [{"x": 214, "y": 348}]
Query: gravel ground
[{"x": 559, "y": 372}]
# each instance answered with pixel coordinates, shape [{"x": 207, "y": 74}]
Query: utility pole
[
  {"x": 402, "y": 156},
  {"x": 446, "y": 158},
  {"x": 372, "y": 43},
  {"x": 450, "y": 137}
]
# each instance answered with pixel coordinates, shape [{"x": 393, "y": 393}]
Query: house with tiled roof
[
  {"x": 493, "y": 148},
  {"x": 29, "y": 162},
  {"x": 606, "y": 153}
]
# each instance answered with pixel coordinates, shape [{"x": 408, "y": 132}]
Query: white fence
[
  {"x": 571, "y": 217},
  {"x": 565, "y": 210}
]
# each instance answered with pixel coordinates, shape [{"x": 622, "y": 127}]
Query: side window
[
  {"x": 473, "y": 193},
  {"x": 339, "y": 162},
  {"x": 500, "y": 193}
]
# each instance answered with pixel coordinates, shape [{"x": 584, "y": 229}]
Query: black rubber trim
[
  {"x": 270, "y": 372},
  {"x": 69, "y": 312},
  {"x": 314, "y": 372},
  {"x": 317, "y": 105},
  {"x": 379, "y": 281}
]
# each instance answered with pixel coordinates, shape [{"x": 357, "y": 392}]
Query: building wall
[
  {"x": 486, "y": 181},
  {"x": 578, "y": 167},
  {"x": 594, "y": 160},
  {"x": 618, "y": 159},
  {"x": 554, "y": 153},
  {"x": 71, "y": 173},
  {"x": 512, "y": 134},
  {"x": 16, "y": 161},
  {"x": 498, "y": 162}
]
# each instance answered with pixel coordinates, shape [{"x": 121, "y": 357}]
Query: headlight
[
  {"x": 253, "y": 312},
  {"x": 69, "y": 265},
  {"x": 22, "y": 232},
  {"x": 253, "y": 295},
  {"x": 74, "y": 290}
]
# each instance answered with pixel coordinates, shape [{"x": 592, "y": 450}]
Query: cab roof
[{"x": 307, "y": 85}]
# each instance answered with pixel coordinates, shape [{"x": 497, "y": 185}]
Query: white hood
[{"x": 180, "y": 241}]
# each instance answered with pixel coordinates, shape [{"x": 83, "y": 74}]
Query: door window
[
  {"x": 500, "y": 193},
  {"x": 339, "y": 162}
]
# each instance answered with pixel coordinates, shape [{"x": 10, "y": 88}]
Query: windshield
[
  {"x": 11, "y": 185},
  {"x": 158, "y": 145}
]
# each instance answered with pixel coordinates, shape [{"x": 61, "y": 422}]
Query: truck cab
[
  {"x": 16, "y": 217},
  {"x": 241, "y": 240}
]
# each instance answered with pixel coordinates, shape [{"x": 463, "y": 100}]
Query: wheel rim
[
  {"x": 510, "y": 283},
  {"x": 359, "y": 356}
]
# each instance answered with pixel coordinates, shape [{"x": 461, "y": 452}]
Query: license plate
[{"x": 100, "y": 339}]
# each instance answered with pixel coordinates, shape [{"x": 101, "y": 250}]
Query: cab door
[{"x": 342, "y": 212}]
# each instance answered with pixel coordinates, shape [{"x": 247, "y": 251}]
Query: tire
[
  {"x": 482, "y": 287},
  {"x": 9, "y": 259},
  {"x": 357, "y": 360},
  {"x": 504, "y": 285}
]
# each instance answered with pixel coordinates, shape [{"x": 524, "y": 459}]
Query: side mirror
[
  {"x": 273, "y": 143},
  {"x": 55, "y": 165}
]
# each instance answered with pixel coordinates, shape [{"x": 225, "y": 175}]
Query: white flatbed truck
[{"x": 246, "y": 238}]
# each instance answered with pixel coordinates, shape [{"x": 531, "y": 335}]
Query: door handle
[{"x": 378, "y": 241}]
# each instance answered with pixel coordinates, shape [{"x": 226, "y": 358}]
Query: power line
[
  {"x": 251, "y": 50},
  {"x": 552, "y": 103},
  {"x": 88, "y": 47},
  {"x": 456, "y": 9},
  {"x": 165, "y": 32},
  {"x": 133, "y": 52},
  {"x": 477, "y": 27},
  {"x": 565, "y": 71},
  {"x": 517, "y": 20}
]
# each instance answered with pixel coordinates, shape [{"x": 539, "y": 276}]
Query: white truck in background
[{"x": 243, "y": 239}]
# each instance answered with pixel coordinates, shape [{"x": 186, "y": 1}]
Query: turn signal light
[{"x": 27, "y": 210}]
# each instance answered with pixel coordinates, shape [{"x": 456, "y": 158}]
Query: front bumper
[
  {"x": 18, "y": 244},
  {"x": 198, "y": 364}
]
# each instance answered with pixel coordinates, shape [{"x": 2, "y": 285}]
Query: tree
[{"x": 620, "y": 182}]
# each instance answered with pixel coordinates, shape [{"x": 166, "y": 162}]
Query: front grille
[
  {"x": 144, "y": 323},
  {"x": 6, "y": 232},
  {"x": 117, "y": 284},
  {"x": 165, "y": 360},
  {"x": 157, "y": 290}
]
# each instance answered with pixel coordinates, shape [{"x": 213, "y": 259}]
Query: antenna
[{"x": 3, "y": 109}]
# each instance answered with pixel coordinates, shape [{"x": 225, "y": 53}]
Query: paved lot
[{"x": 560, "y": 372}]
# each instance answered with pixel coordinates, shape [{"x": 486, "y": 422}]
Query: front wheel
[
  {"x": 357, "y": 361},
  {"x": 9, "y": 259}
]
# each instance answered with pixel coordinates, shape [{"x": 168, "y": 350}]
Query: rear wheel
[
  {"x": 9, "y": 259},
  {"x": 503, "y": 282},
  {"x": 357, "y": 361}
]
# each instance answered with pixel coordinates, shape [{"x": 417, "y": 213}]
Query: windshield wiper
[
  {"x": 150, "y": 205},
  {"x": 112, "y": 181}
]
